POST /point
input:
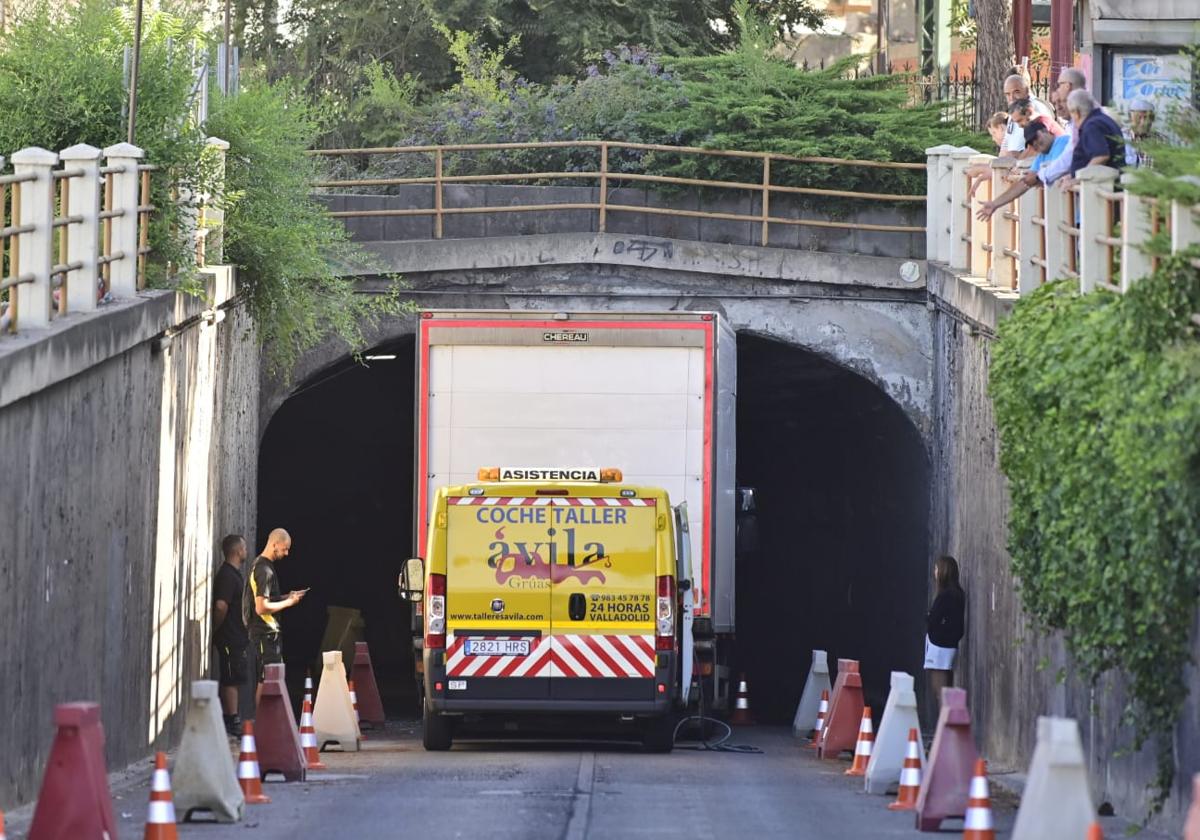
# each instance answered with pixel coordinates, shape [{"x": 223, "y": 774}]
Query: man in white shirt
[{"x": 1016, "y": 88}]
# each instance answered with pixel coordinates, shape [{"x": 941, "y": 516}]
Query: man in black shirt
[
  {"x": 261, "y": 602},
  {"x": 229, "y": 632}
]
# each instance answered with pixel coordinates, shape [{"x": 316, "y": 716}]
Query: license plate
[{"x": 496, "y": 647}]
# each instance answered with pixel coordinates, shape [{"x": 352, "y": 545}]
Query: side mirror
[{"x": 412, "y": 579}]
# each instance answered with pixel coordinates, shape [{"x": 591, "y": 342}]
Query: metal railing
[
  {"x": 607, "y": 178},
  {"x": 1094, "y": 231},
  {"x": 75, "y": 231}
]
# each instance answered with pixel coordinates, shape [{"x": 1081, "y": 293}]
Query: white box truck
[{"x": 651, "y": 394}]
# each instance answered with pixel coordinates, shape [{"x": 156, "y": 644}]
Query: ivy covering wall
[{"x": 1097, "y": 401}]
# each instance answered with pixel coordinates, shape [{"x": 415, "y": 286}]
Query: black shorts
[
  {"x": 231, "y": 665},
  {"x": 268, "y": 650}
]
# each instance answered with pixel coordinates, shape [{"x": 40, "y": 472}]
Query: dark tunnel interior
[
  {"x": 841, "y": 480},
  {"x": 335, "y": 469},
  {"x": 842, "y": 488}
]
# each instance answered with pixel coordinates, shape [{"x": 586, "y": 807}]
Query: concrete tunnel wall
[
  {"x": 1000, "y": 655},
  {"x": 123, "y": 465}
]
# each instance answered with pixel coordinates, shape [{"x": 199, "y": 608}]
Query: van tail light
[
  {"x": 435, "y": 613},
  {"x": 664, "y": 634}
]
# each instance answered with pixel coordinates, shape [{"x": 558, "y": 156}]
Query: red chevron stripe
[
  {"x": 600, "y": 652},
  {"x": 579, "y": 656}
]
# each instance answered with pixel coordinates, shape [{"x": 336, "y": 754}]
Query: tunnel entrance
[
  {"x": 842, "y": 488},
  {"x": 841, "y": 479},
  {"x": 336, "y": 470}
]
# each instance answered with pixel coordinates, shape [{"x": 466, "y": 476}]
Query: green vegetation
[
  {"x": 282, "y": 241},
  {"x": 61, "y": 83},
  {"x": 1097, "y": 401},
  {"x": 744, "y": 98}
]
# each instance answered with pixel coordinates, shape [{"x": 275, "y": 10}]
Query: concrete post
[
  {"x": 935, "y": 201},
  {"x": 36, "y": 247},
  {"x": 1137, "y": 227},
  {"x": 960, "y": 213},
  {"x": 214, "y": 210},
  {"x": 126, "y": 191},
  {"x": 1094, "y": 221},
  {"x": 83, "y": 238},
  {"x": 1032, "y": 239},
  {"x": 981, "y": 232},
  {"x": 1004, "y": 230},
  {"x": 1185, "y": 227},
  {"x": 1059, "y": 245}
]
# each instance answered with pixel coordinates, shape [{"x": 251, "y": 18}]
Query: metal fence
[
  {"x": 597, "y": 168},
  {"x": 956, "y": 89}
]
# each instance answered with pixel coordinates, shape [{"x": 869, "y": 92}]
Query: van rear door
[
  {"x": 602, "y": 598},
  {"x": 497, "y": 598}
]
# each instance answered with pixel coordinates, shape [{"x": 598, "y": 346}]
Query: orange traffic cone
[
  {"x": 354, "y": 706},
  {"x": 741, "y": 705},
  {"x": 308, "y": 737},
  {"x": 819, "y": 726},
  {"x": 160, "y": 819},
  {"x": 1095, "y": 832},
  {"x": 249, "y": 776},
  {"x": 977, "y": 824},
  {"x": 862, "y": 749},
  {"x": 910, "y": 775}
]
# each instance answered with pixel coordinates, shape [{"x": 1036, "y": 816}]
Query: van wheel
[
  {"x": 658, "y": 734},
  {"x": 437, "y": 732}
]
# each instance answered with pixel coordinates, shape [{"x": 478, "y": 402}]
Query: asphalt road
[{"x": 559, "y": 791}]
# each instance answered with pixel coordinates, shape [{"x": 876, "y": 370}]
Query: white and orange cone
[
  {"x": 1095, "y": 832},
  {"x": 308, "y": 738},
  {"x": 160, "y": 817},
  {"x": 978, "y": 824},
  {"x": 249, "y": 776},
  {"x": 862, "y": 749},
  {"x": 741, "y": 705},
  {"x": 910, "y": 775},
  {"x": 819, "y": 726}
]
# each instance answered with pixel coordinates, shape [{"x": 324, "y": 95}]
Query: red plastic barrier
[
  {"x": 370, "y": 706},
  {"x": 74, "y": 801},
  {"x": 845, "y": 711},
  {"x": 946, "y": 785},
  {"x": 275, "y": 732}
]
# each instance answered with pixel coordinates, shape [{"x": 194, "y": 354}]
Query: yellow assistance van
[{"x": 554, "y": 590}]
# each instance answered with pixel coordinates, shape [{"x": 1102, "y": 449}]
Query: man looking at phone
[{"x": 261, "y": 603}]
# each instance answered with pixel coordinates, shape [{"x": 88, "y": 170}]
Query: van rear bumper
[
  {"x": 573, "y": 695},
  {"x": 583, "y": 707}
]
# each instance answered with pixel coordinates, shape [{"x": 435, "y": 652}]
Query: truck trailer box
[{"x": 651, "y": 394}]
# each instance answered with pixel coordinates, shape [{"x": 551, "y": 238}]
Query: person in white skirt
[{"x": 944, "y": 626}]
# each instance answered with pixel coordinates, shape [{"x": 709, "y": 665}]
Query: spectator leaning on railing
[
  {"x": 1048, "y": 147},
  {"x": 1016, "y": 88},
  {"x": 1022, "y": 113},
  {"x": 1069, "y": 81},
  {"x": 1098, "y": 138},
  {"x": 996, "y": 125}
]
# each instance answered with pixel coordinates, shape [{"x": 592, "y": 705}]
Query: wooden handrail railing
[{"x": 605, "y": 176}]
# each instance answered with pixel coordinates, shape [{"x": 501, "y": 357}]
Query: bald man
[{"x": 262, "y": 603}]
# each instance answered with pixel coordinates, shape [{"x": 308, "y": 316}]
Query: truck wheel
[
  {"x": 658, "y": 734},
  {"x": 437, "y": 732}
]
